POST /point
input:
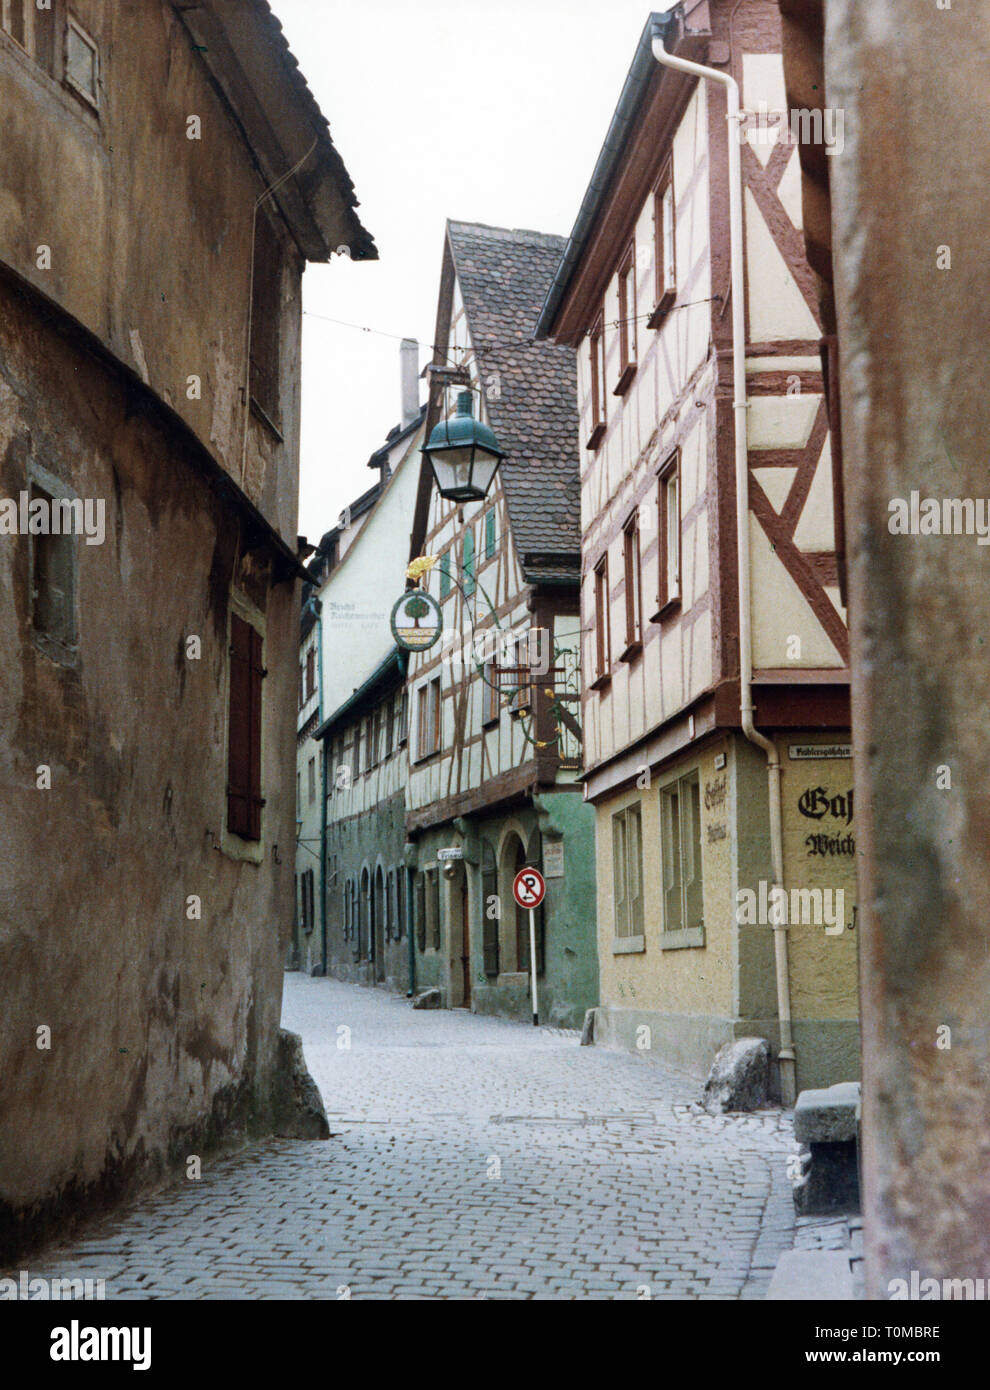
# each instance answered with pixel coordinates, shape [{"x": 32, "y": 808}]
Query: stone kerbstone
[
  {"x": 829, "y": 1116},
  {"x": 299, "y": 1112},
  {"x": 429, "y": 999},
  {"x": 739, "y": 1078}
]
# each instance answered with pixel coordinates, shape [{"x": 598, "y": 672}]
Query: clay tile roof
[{"x": 504, "y": 276}]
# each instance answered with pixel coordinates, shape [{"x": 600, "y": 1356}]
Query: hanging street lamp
[{"x": 463, "y": 453}]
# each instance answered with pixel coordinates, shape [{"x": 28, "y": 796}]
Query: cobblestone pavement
[{"x": 470, "y": 1158}]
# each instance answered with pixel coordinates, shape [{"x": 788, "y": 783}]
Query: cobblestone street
[{"x": 469, "y": 1158}]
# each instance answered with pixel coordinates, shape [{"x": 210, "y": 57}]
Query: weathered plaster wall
[
  {"x": 152, "y": 254},
  {"x": 162, "y": 1027},
  {"x": 916, "y": 417}
]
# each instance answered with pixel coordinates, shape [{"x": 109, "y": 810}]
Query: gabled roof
[
  {"x": 504, "y": 276},
  {"x": 643, "y": 69},
  {"x": 248, "y": 57}
]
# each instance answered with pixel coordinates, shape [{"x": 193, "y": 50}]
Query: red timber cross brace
[
  {"x": 810, "y": 572},
  {"x": 244, "y": 800}
]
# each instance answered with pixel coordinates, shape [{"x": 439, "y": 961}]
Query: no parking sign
[{"x": 529, "y": 888}]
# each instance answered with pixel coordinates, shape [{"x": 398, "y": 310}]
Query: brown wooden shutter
[{"x": 244, "y": 801}]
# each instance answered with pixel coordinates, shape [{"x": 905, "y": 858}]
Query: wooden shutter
[
  {"x": 421, "y": 911},
  {"x": 244, "y": 800}
]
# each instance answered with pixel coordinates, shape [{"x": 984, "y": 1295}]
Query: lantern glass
[{"x": 463, "y": 454}]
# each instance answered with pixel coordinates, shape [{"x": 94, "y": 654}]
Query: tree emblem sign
[{"x": 417, "y": 621}]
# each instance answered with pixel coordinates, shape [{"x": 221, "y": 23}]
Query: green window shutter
[
  {"x": 468, "y": 562},
  {"x": 490, "y": 533},
  {"x": 445, "y": 574}
]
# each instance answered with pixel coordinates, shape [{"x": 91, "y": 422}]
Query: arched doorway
[{"x": 378, "y": 945}]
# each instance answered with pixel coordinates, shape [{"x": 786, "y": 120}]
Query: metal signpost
[{"x": 529, "y": 889}]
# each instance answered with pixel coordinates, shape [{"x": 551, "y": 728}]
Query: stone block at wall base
[{"x": 297, "y": 1103}]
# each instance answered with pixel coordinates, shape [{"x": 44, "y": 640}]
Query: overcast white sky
[{"x": 479, "y": 110}]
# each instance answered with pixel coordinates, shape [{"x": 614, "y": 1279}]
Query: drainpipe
[{"x": 740, "y": 405}]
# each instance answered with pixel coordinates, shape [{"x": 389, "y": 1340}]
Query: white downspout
[{"x": 786, "y": 1056}]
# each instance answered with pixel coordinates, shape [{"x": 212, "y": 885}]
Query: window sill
[
  {"x": 632, "y": 651},
  {"x": 491, "y": 723},
  {"x": 667, "y": 610},
  {"x": 601, "y": 682},
  {"x": 425, "y": 758},
  {"x": 664, "y": 306},
  {"x": 682, "y": 940},
  {"x": 595, "y": 437},
  {"x": 628, "y": 945},
  {"x": 625, "y": 380}
]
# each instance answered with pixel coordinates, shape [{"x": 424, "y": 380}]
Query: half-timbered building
[
  {"x": 494, "y": 709},
  {"x": 683, "y": 798},
  {"x": 350, "y": 753}
]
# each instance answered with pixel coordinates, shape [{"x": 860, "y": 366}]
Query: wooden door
[{"x": 465, "y": 944}]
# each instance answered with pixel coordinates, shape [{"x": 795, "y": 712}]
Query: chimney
[{"x": 409, "y": 371}]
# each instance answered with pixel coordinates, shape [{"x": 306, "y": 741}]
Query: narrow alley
[{"x": 468, "y": 1158}]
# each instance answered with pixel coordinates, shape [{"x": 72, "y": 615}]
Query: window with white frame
[
  {"x": 627, "y": 873},
  {"x": 680, "y": 837}
]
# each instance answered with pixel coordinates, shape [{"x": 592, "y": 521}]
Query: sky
[{"x": 479, "y": 110}]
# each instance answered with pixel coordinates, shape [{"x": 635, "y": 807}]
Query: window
[
  {"x": 299, "y": 791},
  {"x": 266, "y": 316},
  {"x": 428, "y": 715},
  {"x": 669, "y": 532},
  {"x": 33, "y": 29},
  {"x": 388, "y": 719},
  {"x": 627, "y": 875},
  {"x": 244, "y": 799},
  {"x": 680, "y": 835},
  {"x": 308, "y": 909},
  {"x": 53, "y": 573},
  {"x": 437, "y": 917},
  {"x": 489, "y": 533},
  {"x": 634, "y": 604},
  {"x": 596, "y": 354},
  {"x": 82, "y": 63},
  {"x": 403, "y": 718},
  {"x": 603, "y": 644},
  {"x": 373, "y": 730},
  {"x": 312, "y": 780},
  {"x": 491, "y": 704},
  {"x": 468, "y": 560},
  {"x": 519, "y": 682},
  {"x": 628, "y": 336},
  {"x": 356, "y": 751},
  {"x": 302, "y": 685},
  {"x": 310, "y": 672},
  {"x": 663, "y": 250}
]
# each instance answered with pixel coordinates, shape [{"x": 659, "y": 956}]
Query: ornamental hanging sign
[{"x": 417, "y": 621}]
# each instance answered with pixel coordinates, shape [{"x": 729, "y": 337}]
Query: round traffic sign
[{"x": 529, "y": 887}]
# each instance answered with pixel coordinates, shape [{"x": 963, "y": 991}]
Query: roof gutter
[{"x": 740, "y": 405}]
